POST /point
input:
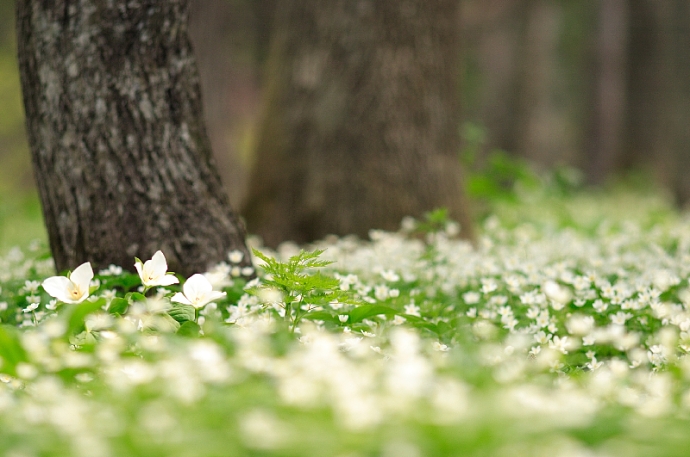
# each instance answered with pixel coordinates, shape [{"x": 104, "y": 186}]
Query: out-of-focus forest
[{"x": 603, "y": 87}]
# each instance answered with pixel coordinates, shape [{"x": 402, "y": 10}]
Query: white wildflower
[
  {"x": 154, "y": 272},
  {"x": 73, "y": 289},
  {"x": 197, "y": 291}
]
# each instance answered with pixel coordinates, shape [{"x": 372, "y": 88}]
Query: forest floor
[{"x": 564, "y": 331}]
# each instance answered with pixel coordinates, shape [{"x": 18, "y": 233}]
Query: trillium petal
[
  {"x": 196, "y": 286},
  {"x": 58, "y": 287},
  {"x": 138, "y": 265},
  {"x": 82, "y": 276},
  {"x": 167, "y": 280},
  {"x": 214, "y": 295},
  {"x": 180, "y": 298},
  {"x": 158, "y": 265}
]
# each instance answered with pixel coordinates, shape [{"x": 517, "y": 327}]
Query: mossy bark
[
  {"x": 120, "y": 153},
  {"x": 361, "y": 118}
]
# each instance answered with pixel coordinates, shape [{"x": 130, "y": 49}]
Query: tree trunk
[
  {"x": 680, "y": 110},
  {"x": 609, "y": 96},
  {"x": 221, "y": 34},
  {"x": 120, "y": 153},
  {"x": 659, "y": 93},
  {"x": 360, "y": 126},
  {"x": 539, "y": 133},
  {"x": 491, "y": 36},
  {"x": 650, "y": 89}
]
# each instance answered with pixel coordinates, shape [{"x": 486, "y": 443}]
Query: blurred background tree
[
  {"x": 360, "y": 121},
  {"x": 600, "y": 86}
]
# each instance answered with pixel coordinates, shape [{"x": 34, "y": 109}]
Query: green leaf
[
  {"x": 364, "y": 311},
  {"x": 78, "y": 313},
  {"x": 83, "y": 339},
  {"x": 11, "y": 350},
  {"x": 165, "y": 323},
  {"x": 419, "y": 322},
  {"x": 118, "y": 306},
  {"x": 320, "y": 316},
  {"x": 182, "y": 313},
  {"x": 125, "y": 281},
  {"x": 189, "y": 328},
  {"x": 135, "y": 296}
]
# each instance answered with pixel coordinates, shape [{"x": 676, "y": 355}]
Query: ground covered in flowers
[{"x": 564, "y": 331}]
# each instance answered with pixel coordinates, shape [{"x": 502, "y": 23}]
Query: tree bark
[
  {"x": 492, "y": 33},
  {"x": 649, "y": 80},
  {"x": 659, "y": 93},
  {"x": 221, "y": 33},
  {"x": 120, "y": 153},
  {"x": 360, "y": 126},
  {"x": 609, "y": 91},
  {"x": 539, "y": 133}
]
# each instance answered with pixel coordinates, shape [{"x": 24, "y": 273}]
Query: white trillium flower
[
  {"x": 74, "y": 289},
  {"x": 154, "y": 272},
  {"x": 197, "y": 291}
]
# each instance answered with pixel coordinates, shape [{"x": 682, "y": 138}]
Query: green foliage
[
  {"x": 402, "y": 345},
  {"x": 21, "y": 221},
  {"x": 495, "y": 175},
  {"x": 302, "y": 292},
  {"x": 11, "y": 350},
  {"x": 182, "y": 313}
]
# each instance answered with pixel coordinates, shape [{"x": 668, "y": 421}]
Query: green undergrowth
[{"x": 563, "y": 331}]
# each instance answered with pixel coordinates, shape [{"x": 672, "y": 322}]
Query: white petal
[
  {"x": 214, "y": 295},
  {"x": 203, "y": 300},
  {"x": 138, "y": 265},
  {"x": 196, "y": 287},
  {"x": 167, "y": 280},
  {"x": 179, "y": 298},
  {"x": 82, "y": 276},
  {"x": 158, "y": 265},
  {"x": 58, "y": 287}
]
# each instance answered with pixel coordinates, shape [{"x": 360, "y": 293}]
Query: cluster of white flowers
[{"x": 534, "y": 333}]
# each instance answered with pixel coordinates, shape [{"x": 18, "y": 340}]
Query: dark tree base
[{"x": 121, "y": 156}]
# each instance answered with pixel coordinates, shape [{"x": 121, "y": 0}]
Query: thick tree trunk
[
  {"x": 539, "y": 133},
  {"x": 609, "y": 96},
  {"x": 681, "y": 107},
  {"x": 361, "y": 119},
  {"x": 221, "y": 32},
  {"x": 120, "y": 153},
  {"x": 492, "y": 33},
  {"x": 659, "y": 93},
  {"x": 650, "y": 93}
]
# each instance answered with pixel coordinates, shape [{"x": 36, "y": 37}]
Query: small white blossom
[
  {"x": 440, "y": 347},
  {"x": 412, "y": 310},
  {"x": 74, "y": 289},
  {"x": 197, "y": 291},
  {"x": 31, "y": 286},
  {"x": 390, "y": 275},
  {"x": 154, "y": 272},
  {"x": 599, "y": 306},
  {"x": 235, "y": 256},
  {"x": 620, "y": 317},
  {"x": 112, "y": 270},
  {"x": 471, "y": 298},
  {"x": 31, "y": 307}
]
